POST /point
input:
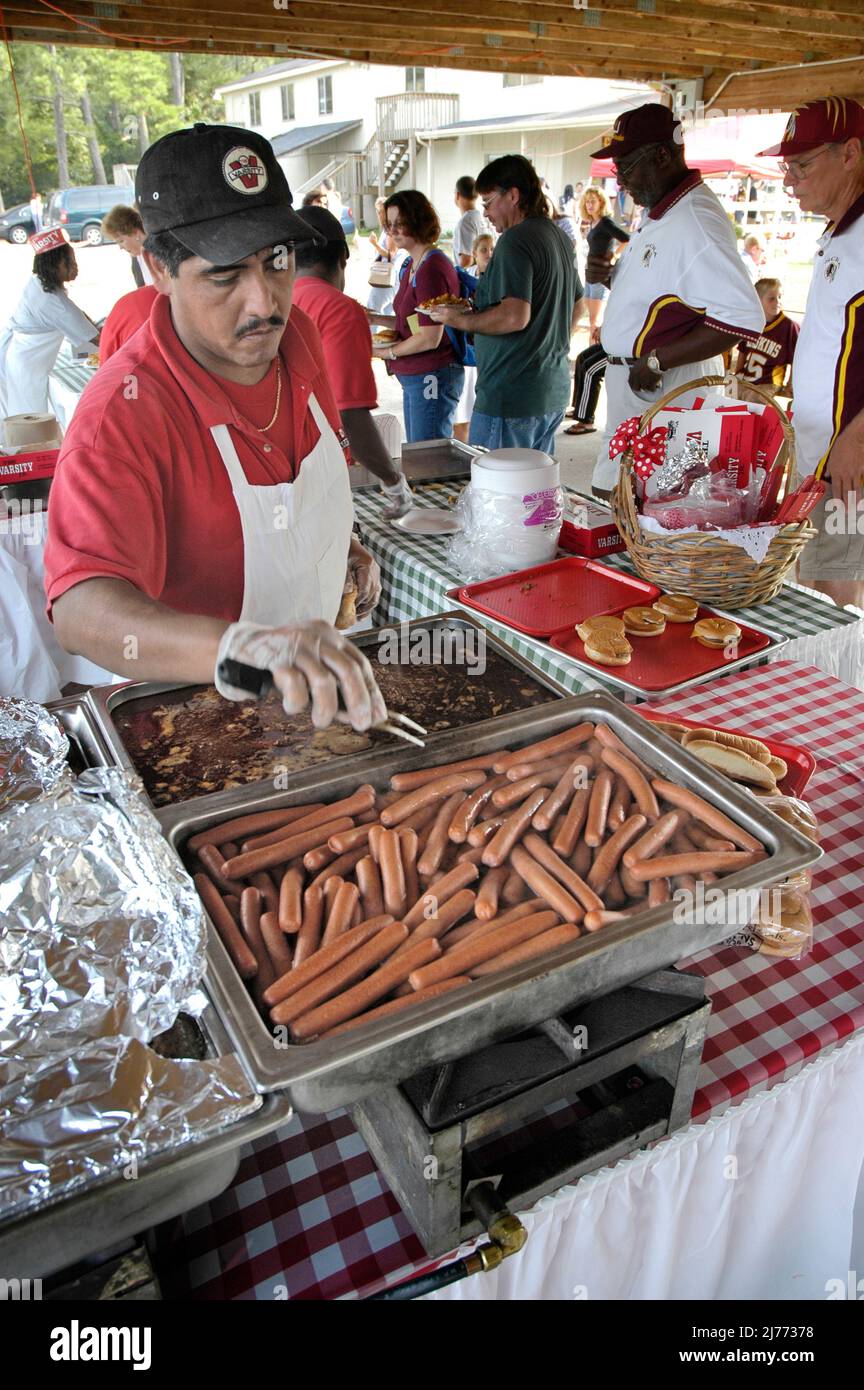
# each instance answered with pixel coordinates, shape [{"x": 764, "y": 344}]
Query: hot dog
[
  {"x": 640, "y": 788},
  {"x": 317, "y": 859},
  {"x": 257, "y": 859},
  {"x": 546, "y": 748},
  {"x": 595, "y": 920},
  {"x": 482, "y": 929},
  {"x": 608, "y": 739},
  {"x": 392, "y": 873},
  {"x": 409, "y": 781},
  {"x": 615, "y": 895},
  {"x": 232, "y": 902},
  {"x": 581, "y": 859},
  {"x": 243, "y": 826},
  {"x": 268, "y": 890},
  {"x": 514, "y": 793},
  {"x": 341, "y": 911},
  {"x": 445, "y": 888},
  {"x": 606, "y": 859},
  {"x": 551, "y": 767},
  {"x": 619, "y": 804},
  {"x": 481, "y": 834},
  {"x": 702, "y": 839},
  {"x": 467, "y": 813},
  {"x": 309, "y": 935},
  {"x": 341, "y": 976},
  {"x": 369, "y": 883},
  {"x": 438, "y": 838},
  {"x": 409, "y": 844},
  {"x": 338, "y": 868},
  {"x": 632, "y": 887},
  {"x": 698, "y": 807},
  {"x": 361, "y": 800},
  {"x": 470, "y": 856},
  {"x": 438, "y": 790},
  {"x": 349, "y": 839},
  {"x": 515, "y": 891},
  {"x": 277, "y": 946},
  {"x": 541, "y": 883},
  {"x": 658, "y": 892},
  {"x": 555, "y": 865},
  {"x": 211, "y": 861},
  {"x": 232, "y": 939},
  {"x": 669, "y": 865},
  {"x": 474, "y": 951},
  {"x": 445, "y": 915},
  {"x": 513, "y": 914},
  {"x": 655, "y": 837},
  {"x": 395, "y": 1006},
  {"x": 514, "y": 827},
  {"x": 362, "y": 996},
  {"x": 598, "y": 808},
  {"x": 291, "y": 901},
  {"x": 560, "y": 796},
  {"x": 528, "y": 950},
  {"x": 489, "y": 892},
  {"x": 302, "y": 972},
  {"x": 564, "y": 840},
  {"x": 250, "y": 925}
]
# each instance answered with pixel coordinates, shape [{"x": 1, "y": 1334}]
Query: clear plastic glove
[
  {"x": 307, "y": 659},
  {"x": 399, "y": 499},
  {"x": 364, "y": 570}
]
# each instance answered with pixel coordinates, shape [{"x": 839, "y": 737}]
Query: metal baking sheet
[
  {"x": 322, "y": 1075},
  {"x": 107, "y": 1210},
  {"x": 102, "y": 701},
  {"x": 614, "y": 675},
  {"x": 87, "y": 746},
  {"x": 437, "y": 460}
]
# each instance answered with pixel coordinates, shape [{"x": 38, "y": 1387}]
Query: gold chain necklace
[{"x": 262, "y": 429}]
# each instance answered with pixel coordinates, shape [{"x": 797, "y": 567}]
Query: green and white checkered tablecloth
[{"x": 415, "y": 577}]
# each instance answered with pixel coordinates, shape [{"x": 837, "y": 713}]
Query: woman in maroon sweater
[{"x": 424, "y": 361}]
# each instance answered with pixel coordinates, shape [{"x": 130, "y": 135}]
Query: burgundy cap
[
  {"x": 51, "y": 240},
  {"x": 825, "y": 122},
  {"x": 651, "y": 124}
]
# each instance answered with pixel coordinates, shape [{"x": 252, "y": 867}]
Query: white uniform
[
  {"x": 29, "y": 345},
  {"x": 681, "y": 267},
  {"x": 828, "y": 370}
]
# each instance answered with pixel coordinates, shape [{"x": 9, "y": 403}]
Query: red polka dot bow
[{"x": 649, "y": 450}]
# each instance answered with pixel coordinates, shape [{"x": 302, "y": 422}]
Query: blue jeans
[
  {"x": 429, "y": 402},
  {"x": 516, "y": 431}
]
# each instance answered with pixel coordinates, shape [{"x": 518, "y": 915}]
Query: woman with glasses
[{"x": 422, "y": 357}]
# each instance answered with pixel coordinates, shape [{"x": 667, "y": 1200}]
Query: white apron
[{"x": 295, "y": 535}]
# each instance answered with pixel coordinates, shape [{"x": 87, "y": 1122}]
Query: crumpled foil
[
  {"x": 670, "y": 477},
  {"x": 33, "y": 751},
  {"x": 101, "y": 941}
]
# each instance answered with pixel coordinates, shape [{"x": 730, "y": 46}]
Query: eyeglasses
[
  {"x": 797, "y": 167},
  {"x": 486, "y": 203},
  {"x": 623, "y": 171},
  {"x": 396, "y": 226}
]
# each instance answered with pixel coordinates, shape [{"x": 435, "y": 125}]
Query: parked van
[{"x": 80, "y": 210}]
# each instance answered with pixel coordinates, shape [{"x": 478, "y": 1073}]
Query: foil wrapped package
[
  {"x": 101, "y": 942},
  {"x": 33, "y": 751}
]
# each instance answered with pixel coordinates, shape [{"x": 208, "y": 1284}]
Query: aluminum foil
[
  {"x": 101, "y": 941},
  {"x": 33, "y": 751}
]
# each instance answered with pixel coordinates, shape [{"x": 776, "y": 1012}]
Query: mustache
[{"x": 255, "y": 324}]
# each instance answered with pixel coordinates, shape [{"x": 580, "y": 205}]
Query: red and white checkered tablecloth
[{"x": 310, "y": 1216}]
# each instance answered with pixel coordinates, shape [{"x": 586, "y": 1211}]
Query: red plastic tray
[
  {"x": 801, "y": 764},
  {"x": 670, "y": 659},
  {"x": 562, "y": 593}
]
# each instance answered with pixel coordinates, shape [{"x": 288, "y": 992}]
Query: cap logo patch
[
  {"x": 789, "y": 132},
  {"x": 244, "y": 171}
]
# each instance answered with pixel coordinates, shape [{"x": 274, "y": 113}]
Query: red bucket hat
[
  {"x": 49, "y": 241},
  {"x": 651, "y": 124},
  {"x": 825, "y": 122}
]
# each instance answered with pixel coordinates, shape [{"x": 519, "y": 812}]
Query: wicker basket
[{"x": 700, "y": 563}]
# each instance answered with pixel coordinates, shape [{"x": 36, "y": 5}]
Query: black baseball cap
[
  {"x": 220, "y": 190},
  {"x": 325, "y": 227}
]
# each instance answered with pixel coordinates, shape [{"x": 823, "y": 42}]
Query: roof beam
[{"x": 785, "y": 89}]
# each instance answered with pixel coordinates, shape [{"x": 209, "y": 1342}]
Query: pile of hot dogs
[{"x": 343, "y": 913}]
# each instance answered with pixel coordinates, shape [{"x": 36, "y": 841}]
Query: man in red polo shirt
[
  {"x": 319, "y": 290},
  {"x": 201, "y": 517}
]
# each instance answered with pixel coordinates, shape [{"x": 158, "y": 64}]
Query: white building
[{"x": 373, "y": 127}]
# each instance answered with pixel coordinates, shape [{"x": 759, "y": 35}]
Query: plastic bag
[
  {"x": 505, "y": 532},
  {"x": 783, "y": 925}
]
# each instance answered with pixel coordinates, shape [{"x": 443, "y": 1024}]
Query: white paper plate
[{"x": 429, "y": 521}]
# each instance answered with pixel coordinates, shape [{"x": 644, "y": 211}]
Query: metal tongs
[{"x": 260, "y": 682}]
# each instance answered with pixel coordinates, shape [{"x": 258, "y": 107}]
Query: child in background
[
  {"x": 768, "y": 362},
  {"x": 482, "y": 252}
]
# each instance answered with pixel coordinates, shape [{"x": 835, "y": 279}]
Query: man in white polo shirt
[
  {"x": 680, "y": 294},
  {"x": 828, "y": 371}
]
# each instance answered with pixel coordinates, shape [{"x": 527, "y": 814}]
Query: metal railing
[{"x": 403, "y": 115}]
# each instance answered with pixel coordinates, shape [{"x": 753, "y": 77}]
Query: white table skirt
[
  {"x": 757, "y": 1203},
  {"x": 839, "y": 651}
]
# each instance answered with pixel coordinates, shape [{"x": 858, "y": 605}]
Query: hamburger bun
[
  {"x": 715, "y": 632},
  {"x": 731, "y": 761},
  {"x": 604, "y": 622},
  {"x": 753, "y": 746},
  {"x": 608, "y": 648},
  {"x": 678, "y": 608},
  {"x": 643, "y": 622}
]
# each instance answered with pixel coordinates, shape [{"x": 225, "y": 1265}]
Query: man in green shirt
[{"x": 526, "y": 305}]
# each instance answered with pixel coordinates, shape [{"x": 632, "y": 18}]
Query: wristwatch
[
  {"x": 652, "y": 362},
  {"x": 391, "y": 356}
]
